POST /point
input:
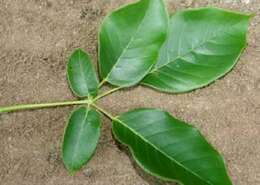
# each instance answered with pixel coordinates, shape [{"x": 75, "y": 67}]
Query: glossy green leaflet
[
  {"x": 140, "y": 44},
  {"x": 202, "y": 45}
]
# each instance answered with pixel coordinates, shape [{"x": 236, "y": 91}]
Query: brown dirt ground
[{"x": 36, "y": 37}]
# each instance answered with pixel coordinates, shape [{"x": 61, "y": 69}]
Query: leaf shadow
[{"x": 151, "y": 180}]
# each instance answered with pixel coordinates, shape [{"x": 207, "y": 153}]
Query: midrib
[
  {"x": 158, "y": 150},
  {"x": 80, "y": 134},
  {"x": 82, "y": 73},
  {"x": 192, "y": 49},
  {"x": 129, "y": 43}
]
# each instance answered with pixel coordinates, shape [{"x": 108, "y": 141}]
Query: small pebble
[{"x": 88, "y": 172}]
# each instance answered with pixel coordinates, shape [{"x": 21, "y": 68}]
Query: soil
[{"x": 37, "y": 36}]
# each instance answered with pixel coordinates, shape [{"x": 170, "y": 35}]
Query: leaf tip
[
  {"x": 251, "y": 15},
  {"x": 79, "y": 50}
]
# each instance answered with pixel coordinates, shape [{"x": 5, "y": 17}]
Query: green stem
[
  {"x": 103, "y": 111},
  {"x": 106, "y": 93},
  {"x": 41, "y": 105},
  {"x": 55, "y": 104},
  {"x": 102, "y": 83}
]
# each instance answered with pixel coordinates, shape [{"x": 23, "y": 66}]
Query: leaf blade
[
  {"x": 127, "y": 36},
  {"x": 170, "y": 149},
  {"x": 80, "y": 138},
  {"x": 81, "y": 75},
  {"x": 202, "y": 46}
]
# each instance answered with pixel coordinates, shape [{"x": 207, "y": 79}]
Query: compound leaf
[
  {"x": 129, "y": 41},
  {"x": 81, "y": 74},
  {"x": 80, "y": 138},
  {"x": 202, "y": 45},
  {"x": 170, "y": 149}
]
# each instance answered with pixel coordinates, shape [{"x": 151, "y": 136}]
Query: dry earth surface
[{"x": 37, "y": 36}]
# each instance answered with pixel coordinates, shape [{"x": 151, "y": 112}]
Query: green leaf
[
  {"x": 81, "y": 75},
  {"x": 202, "y": 45},
  {"x": 129, "y": 41},
  {"x": 80, "y": 138},
  {"x": 170, "y": 149}
]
